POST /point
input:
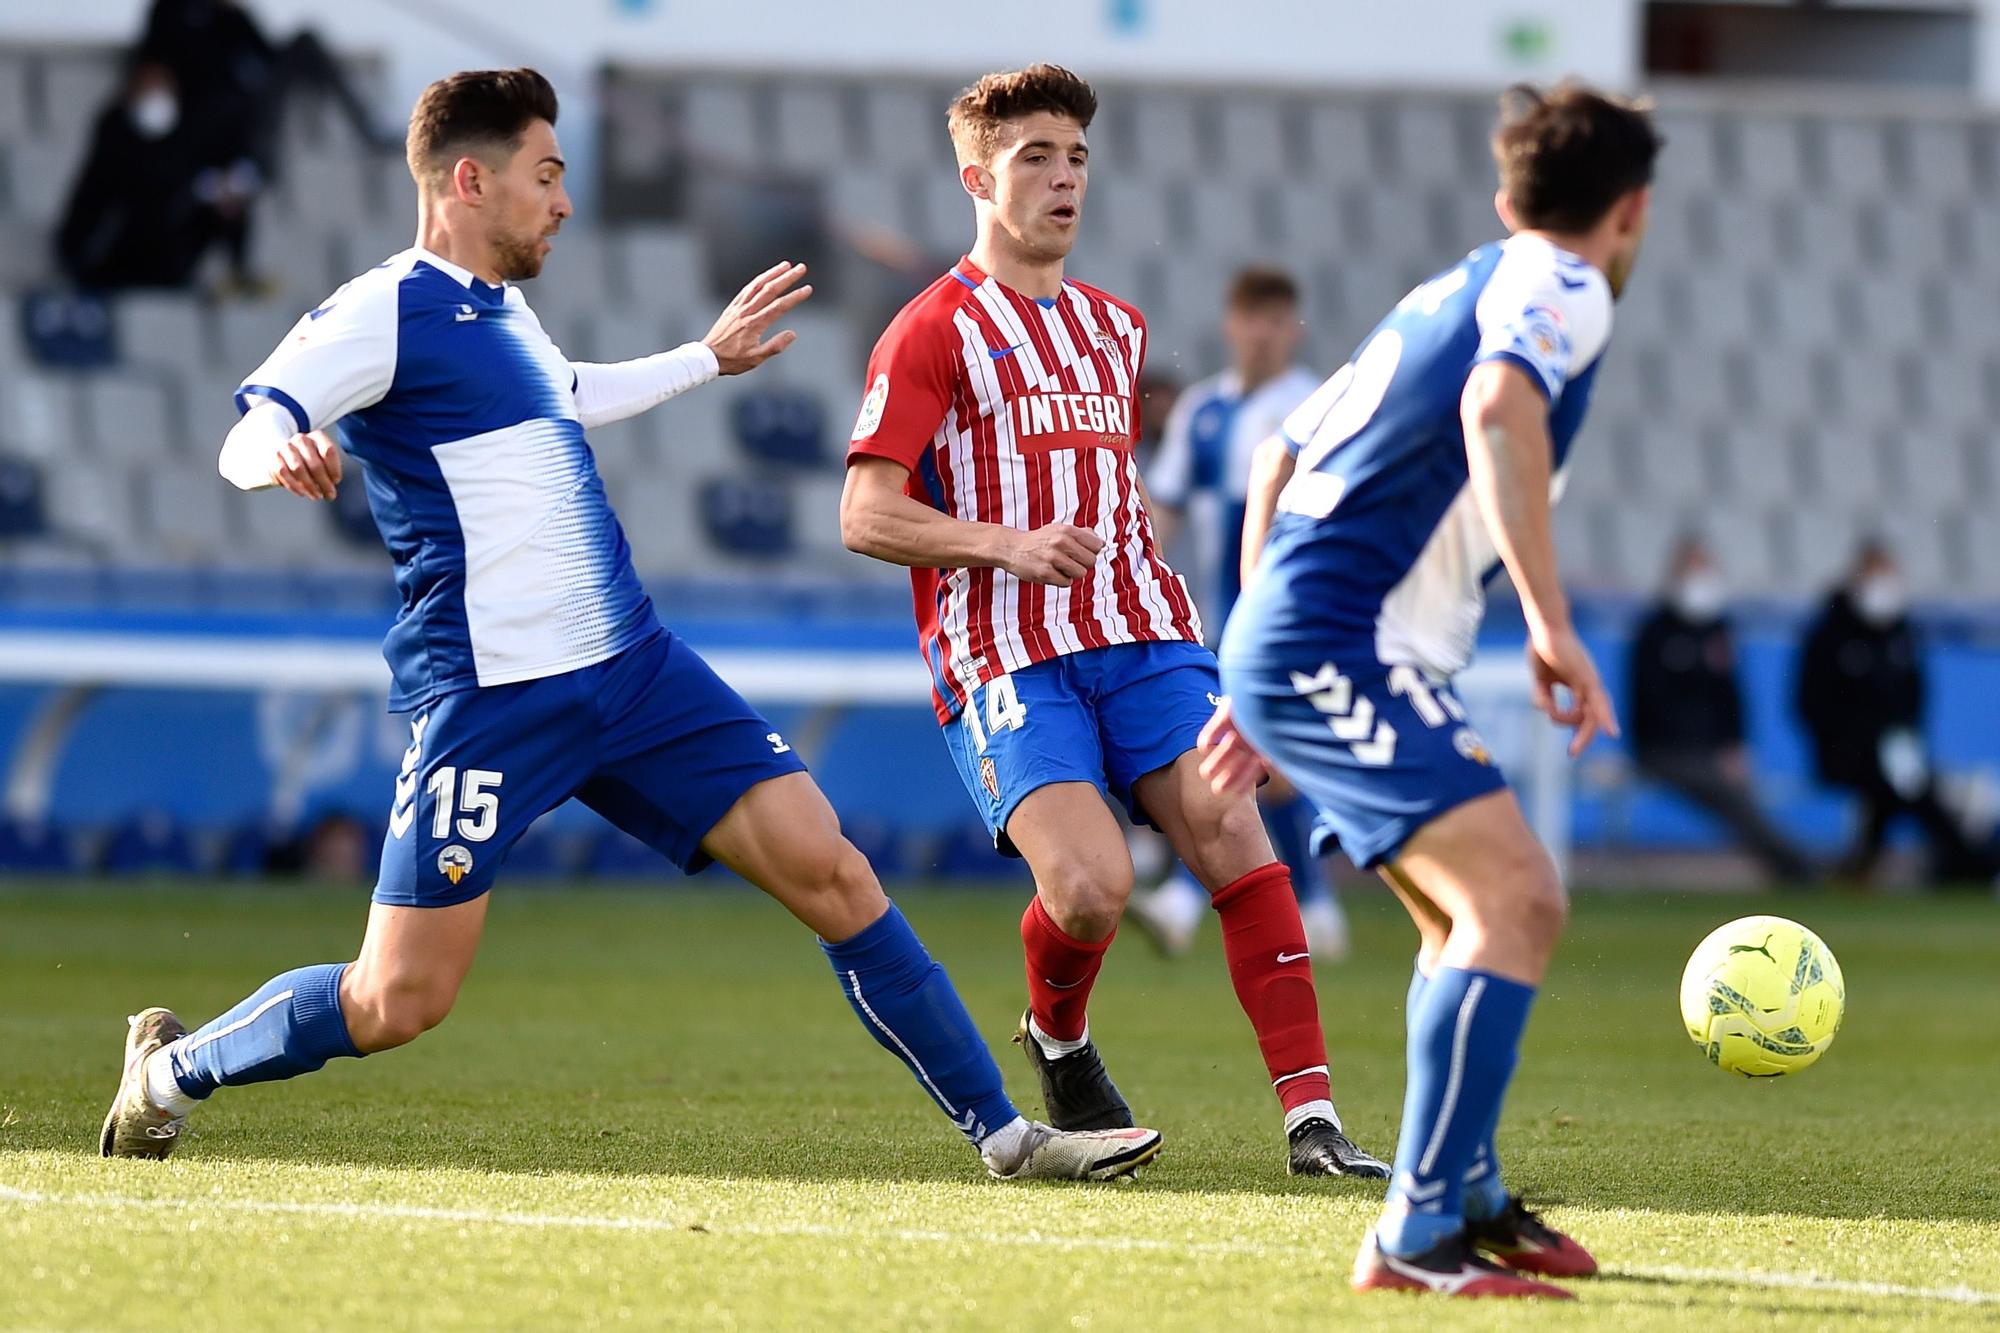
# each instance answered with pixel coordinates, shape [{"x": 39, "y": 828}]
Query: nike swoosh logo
[
  {"x": 1293, "y": 957},
  {"x": 997, "y": 352},
  {"x": 1057, "y": 985}
]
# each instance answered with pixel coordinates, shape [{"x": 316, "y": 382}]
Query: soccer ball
[{"x": 1762, "y": 996}]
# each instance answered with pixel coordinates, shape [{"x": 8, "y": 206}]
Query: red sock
[
  {"x": 1266, "y": 947},
  {"x": 1061, "y": 971}
]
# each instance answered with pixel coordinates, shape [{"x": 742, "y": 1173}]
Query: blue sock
[
  {"x": 291, "y": 1026},
  {"x": 1290, "y": 827},
  {"x": 908, "y": 1005},
  {"x": 1465, "y": 1038},
  {"x": 1485, "y": 1196}
]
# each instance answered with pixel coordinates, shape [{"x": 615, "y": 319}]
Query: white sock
[
  {"x": 1055, "y": 1047},
  {"x": 1001, "y": 1149},
  {"x": 161, "y": 1089},
  {"x": 1319, "y": 1110}
]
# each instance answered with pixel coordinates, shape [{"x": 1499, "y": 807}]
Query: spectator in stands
[
  {"x": 234, "y": 76},
  {"x": 1861, "y": 693},
  {"x": 1687, "y": 708},
  {"x": 157, "y": 191}
]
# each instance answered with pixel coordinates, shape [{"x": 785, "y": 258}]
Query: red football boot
[
  {"x": 1519, "y": 1240},
  {"x": 1449, "y": 1268}
]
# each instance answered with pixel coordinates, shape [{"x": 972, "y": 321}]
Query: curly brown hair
[
  {"x": 1568, "y": 154},
  {"x": 979, "y": 114}
]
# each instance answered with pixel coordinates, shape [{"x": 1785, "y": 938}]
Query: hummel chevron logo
[
  {"x": 997, "y": 352},
  {"x": 1351, "y": 718}
]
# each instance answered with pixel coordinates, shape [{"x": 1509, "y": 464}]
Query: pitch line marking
[{"x": 1959, "y": 1295}]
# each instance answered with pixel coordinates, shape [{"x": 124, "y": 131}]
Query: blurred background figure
[
  {"x": 1861, "y": 693},
  {"x": 158, "y": 190},
  {"x": 1686, "y": 708},
  {"x": 235, "y": 77},
  {"x": 1198, "y": 480}
]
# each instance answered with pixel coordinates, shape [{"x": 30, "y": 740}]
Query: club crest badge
[
  {"x": 455, "y": 863},
  {"x": 990, "y": 777}
]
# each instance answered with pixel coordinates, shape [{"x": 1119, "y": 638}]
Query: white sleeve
[
  {"x": 337, "y": 359},
  {"x": 250, "y": 453},
  {"x": 1171, "y": 475},
  {"x": 1552, "y": 324},
  {"x": 607, "y": 393}
]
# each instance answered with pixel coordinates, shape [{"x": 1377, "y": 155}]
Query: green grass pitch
[{"x": 653, "y": 1109}]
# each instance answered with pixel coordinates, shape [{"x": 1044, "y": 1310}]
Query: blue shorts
[
  {"x": 651, "y": 739},
  {"x": 1380, "y": 751},
  {"x": 1106, "y": 716}
]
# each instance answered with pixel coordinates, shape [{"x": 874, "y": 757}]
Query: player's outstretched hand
[
  {"x": 1560, "y": 659},
  {"x": 1057, "y": 554},
  {"x": 738, "y": 339},
  {"x": 309, "y": 466},
  {"x": 1227, "y": 760}
]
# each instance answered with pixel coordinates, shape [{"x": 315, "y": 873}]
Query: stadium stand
[{"x": 1778, "y": 381}]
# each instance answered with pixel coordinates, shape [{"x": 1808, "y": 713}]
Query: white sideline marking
[{"x": 1960, "y": 1295}]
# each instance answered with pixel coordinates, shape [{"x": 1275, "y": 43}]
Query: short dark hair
[
  {"x": 1568, "y": 154},
  {"x": 473, "y": 111},
  {"x": 978, "y": 113},
  {"x": 1262, "y": 284}
]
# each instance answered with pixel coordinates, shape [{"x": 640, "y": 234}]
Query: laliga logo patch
[
  {"x": 1467, "y": 742},
  {"x": 871, "y": 407},
  {"x": 989, "y": 777},
  {"x": 454, "y": 863}
]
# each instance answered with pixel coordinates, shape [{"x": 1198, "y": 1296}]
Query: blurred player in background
[
  {"x": 1430, "y": 459},
  {"x": 994, "y": 456},
  {"x": 1197, "y": 483},
  {"x": 529, "y": 656}
]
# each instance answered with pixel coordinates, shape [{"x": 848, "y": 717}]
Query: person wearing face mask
[
  {"x": 155, "y": 194},
  {"x": 1687, "y": 709},
  {"x": 1861, "y": 693}
]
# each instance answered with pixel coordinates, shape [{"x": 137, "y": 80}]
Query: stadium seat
[
  {"x": 1424, "y": 145},
  {"x": 1169, "y": 135},
  {"x": 189, "y": 516},
  {"x": 97, "y": 509},
  {"x": 1341, "y": 141},
  {"x": 1768, "y": 156},
  {"x": 816, "y": 509},
  {"x": 1232, "y": 222},
  {"x": 747, "y": 517},
  {"x": 38, "y": 416},
  {"x": 131, "y": 416},
  {"x": 21, "y": 508},
  {"x": 75, "y": 87},
  {"x": 1260, "y": 138},
  {"x": 780, "y": 425},
  {"x": 814, "y": 124},
  {"x": 1857, "y": 158},
  {"x": 662, "y": 267},
  {"x": 165, "y": 329},
  {"x": 719, "y": 118},
  {"x": 1941, "y": 163},
  {"x": 903, "y": 124},
  {"x": 16, "y": 105},
  {"x": 39, "y": 177}
]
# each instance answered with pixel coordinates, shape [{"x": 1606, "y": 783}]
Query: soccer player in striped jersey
[
  {"x": 993, "y": 455},
  {"x": 1406, "y": 481},
  {"x": 530, "y": 659}
]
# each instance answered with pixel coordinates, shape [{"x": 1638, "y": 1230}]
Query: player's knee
[
  {"x": 1085, "y": 896},
  {"x": 835, "y": 888}
]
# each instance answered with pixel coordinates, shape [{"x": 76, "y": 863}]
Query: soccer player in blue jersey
[
  {"x": 1406, "y": 480},
  {"x": 1199, "y": 481},
  {"x": 528, "y": 656}
]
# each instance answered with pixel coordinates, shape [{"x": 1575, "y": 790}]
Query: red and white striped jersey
[{"x": 1021, "y": 412}]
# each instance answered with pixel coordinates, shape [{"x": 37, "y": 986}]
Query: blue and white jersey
[
  {"x": 511, "y": 564},
  {"x": 1203, "y": 468},
  {"x": 1378, "y": 532}
]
